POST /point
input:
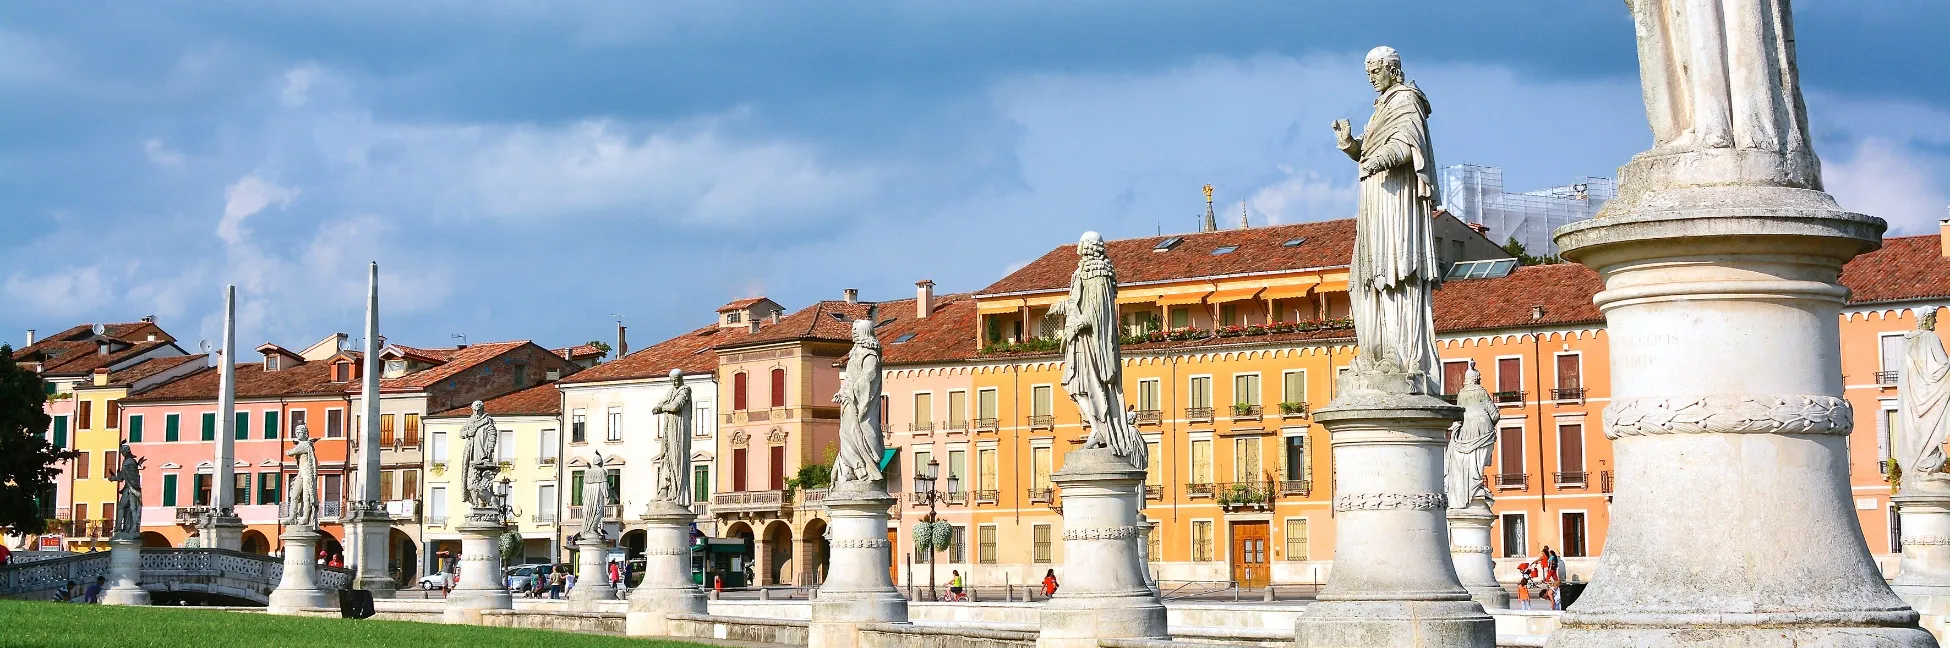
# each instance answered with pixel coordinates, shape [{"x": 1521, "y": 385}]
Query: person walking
[
  {"x": 569, "y": 582},
  {"x": 615, "y": 573},
  {"x": 1049, "y": 583},
  {"x": 555, "y": 585}
]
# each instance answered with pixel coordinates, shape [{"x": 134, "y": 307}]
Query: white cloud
[
  {"x": 1305, "y": 196},
  {"x": 1889, "y": 181},
  {"x": 297, "y": 85},
  {"x": 245, "y": 198},
  {"x": 160, "y": 154},
  {"x": 73, "y": 292}
]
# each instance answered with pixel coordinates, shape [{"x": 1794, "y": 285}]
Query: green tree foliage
[
  {"x": 27, "y": 469},
  {"x": 1515, "y": 248}
]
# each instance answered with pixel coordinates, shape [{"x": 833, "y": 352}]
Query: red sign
[{"x": 52, "y": 543}]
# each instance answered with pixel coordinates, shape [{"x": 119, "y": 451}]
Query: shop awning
[
  {"x": 1136, "y": 299},
  {"x": 998, "y": 307},
  {"x": 1182, "y": 299},
  {"x": 1333, "y": 286},
  {"x": 1234, "y": 294}
]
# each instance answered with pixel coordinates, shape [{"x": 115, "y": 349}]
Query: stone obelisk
[
  {"x": 369, "y": 523},
  {"x": 221, "y": 528},
  {"x": 1720, "y": 258}
]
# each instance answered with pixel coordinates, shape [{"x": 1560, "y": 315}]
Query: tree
[
  {"x": 27, "y": 469},
  {"x": 1515, "y": 248},
  {"x": 600, "y": 346}
]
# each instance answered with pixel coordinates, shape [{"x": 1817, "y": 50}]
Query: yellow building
[{"x": 530, "y": 450}]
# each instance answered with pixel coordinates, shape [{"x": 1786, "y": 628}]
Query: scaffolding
[{"x": 1475, "y": 195}]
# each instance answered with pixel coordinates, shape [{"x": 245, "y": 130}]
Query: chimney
[
  {"x": 101, "y": 376},
  {"x": 148, "y": 319},
  {"x": 622, "y": 340},
  {"x": 30, "y": 337},
  {"x": 923, "y": 298},
  {"x": 853, "y": 295},
  {"x": 1942, "y": 235}
]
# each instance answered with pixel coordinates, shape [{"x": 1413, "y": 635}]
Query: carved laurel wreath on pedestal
[
  {"x": 1112, "y": 533},
  {"x": 870, "y": 543},
  {"x": 1729, "y": 414},
  {"x": 1390, "y": 501}
]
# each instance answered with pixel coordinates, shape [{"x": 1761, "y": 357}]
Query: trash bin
[
  {"x": 1570, "y": 592},
  {"x": 355, "y": 604}
]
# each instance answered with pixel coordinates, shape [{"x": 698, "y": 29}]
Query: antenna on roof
[
  {"x": 463, "y": 340},
  {"x": 204, "y": 346},
  {"x": 98, "y": 328}
]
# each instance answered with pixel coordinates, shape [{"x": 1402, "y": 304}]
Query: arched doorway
[
  {"x": 775, "y": 562},
  {"x": 153, "y": 540},
  {"x": 814, "y": 548},
  {"x": 734, "y": 565},
  {"x": 634, "y": 542},
  {"x": 330, "y": 547},
  {"x": 254, "y": 542},
  {"x": 402, "y": 556}
]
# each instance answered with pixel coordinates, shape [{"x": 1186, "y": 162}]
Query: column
[
  {"x": 298, "y": 587},
  {"x": 1393, "y": 582},
  {"x": 1923, "y": 581},
  {"x": 1469, "y": 548},
  {"x": 592, "y": 573},
  {"x": 667, "y": 587},
  {"x": 482, "y": 585},
  {"x": 221, "y": 528},
  {"x": 125, "y": 573},
  {"x": 858, "y": 587},
  {"x": 368, "y": 525},
  {"x": 1105, "y": 594}
]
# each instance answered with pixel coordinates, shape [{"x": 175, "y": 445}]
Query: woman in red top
[{"x": 1049, "y": 583}]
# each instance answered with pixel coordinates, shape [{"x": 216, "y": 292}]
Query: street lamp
[
  {"x": 924, "y": 488},
  {"x": 501, "y": 492}
]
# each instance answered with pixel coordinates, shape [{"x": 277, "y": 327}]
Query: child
[{"x": 1523, "y": 592}]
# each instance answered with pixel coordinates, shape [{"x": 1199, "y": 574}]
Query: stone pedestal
[
  {"x": 1146, "y": 527},
  {"x": 1924, "y": 578},
  {"x": 592, "y": 574},
  {"x": 125, "y": 573},
  {"x": 1105, "y": 594},
  {"x": 667, "y": 587},
  {"x": 298, "y": 587},
  {"x": 1393, "y": 583},
  {"x": 858, "y": 588},
  {"x": 369, "y": 530},
  {"x": 222, "y": 529},
  {"x": 1469, "y": 548},
  {"x": 482, "y": 586}
]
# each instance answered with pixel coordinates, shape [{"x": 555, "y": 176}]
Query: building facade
[{"x": 529, "y": 448}]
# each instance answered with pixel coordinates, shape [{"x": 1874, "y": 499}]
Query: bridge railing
[{"x": 162, "y": 569}]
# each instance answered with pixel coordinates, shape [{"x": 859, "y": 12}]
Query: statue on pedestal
[
  {"x": 1469, "y": 447},
  {"x": 1092, "y": 361},
  {"x": 1923, "y": 399},
  {"x": 128, "y": 499},
  {"x": 304, "y": 487},
  {"x": 595, "y": 498},
  {"x": 479, "y": 438},
  {"x": 861, "y": 440},
  {"x": 673, "y": 459},
  {"x": 1395, "y": 269}
]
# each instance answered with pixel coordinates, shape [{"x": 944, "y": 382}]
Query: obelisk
[
  {"x": 369, "y": 523},
  {"x": 220, "y": 527}
]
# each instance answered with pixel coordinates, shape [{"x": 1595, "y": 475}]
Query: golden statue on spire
[{"x": 1208, "y": 194}]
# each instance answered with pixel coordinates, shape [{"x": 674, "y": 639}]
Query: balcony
[
  {"x": 987, "y": 496},
  {"x": 990, "y": 424},
  {"x": 611, "y": 512},
  {"x": 919, "y": 426},
  {"x": 955, "y": 426},
  {"x": 1198, "y": 489},
  {"x": 917, "y": 498},
  {"x": 957, "y": 498},
  {"x": 1295, "y": 410},
  {"x": 546, "y": 461},
  {"x": 1150, "y": 417},
  {"x": 1887, "y": 377},
  {"x": 1570, "y": 479},
  {"x": 1568, "y": 394},
  {"x": 1604, "y": 481},
  {"x": 1245, "y": 496},
  {"x": 1244, "y": 412},
  {"x": 807, "y": 497},
  {"x": 543, "y": 518},
  {"x": 748, "y": 502},
  {"x": 406, "y": 510},
  {"x": 1513, "y": 480},
  {"x": 1043, "y": 421},
  {"x": 331, "y": 509},
  {"x": 1200, "y": 414},
  {"x": 1040, "y": 495},
  {"x": 1154, "y": 491},
  {"x": 191, "y": 515},
  {"x": 1509, "y": 397},
  {"x": 1301, "y": 487},
  {"x": 436, "y": 520}
]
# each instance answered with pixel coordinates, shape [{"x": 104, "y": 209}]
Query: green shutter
[
  {"x": 135, "y": 428},
  {"x": 243, "y": 425},
  {"x": 267, "y": 488},
  {"x": 169, "y": 490},
  {"x": 271, "y": 424},
  {"x": 209, "y": 426},
  {"x": 61, "y": 432},
  {"x": 575, "y": 488},
  {"x": 245, "y": 496},
  {"x": 172, "y": 427}
]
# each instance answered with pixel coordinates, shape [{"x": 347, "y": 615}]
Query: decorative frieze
[
  {"x": 1390, "y": 501},
  {"x": 1729, "y": 414},
  {"x": 1111, "y": 533}
]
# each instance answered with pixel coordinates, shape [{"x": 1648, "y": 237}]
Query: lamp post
[{"x": 924, "y": 487}]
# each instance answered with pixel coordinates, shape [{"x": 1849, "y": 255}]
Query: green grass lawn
[{"x": 36, "y": 624}]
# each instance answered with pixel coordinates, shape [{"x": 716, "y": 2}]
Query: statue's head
[
  {"x": 300, "y": 432},
  {"x": 479, "y": 408},
  {"x": 1928, "y": 322},
  {"x": 862, "y": 330},
  {"x": 677, "y": 376},
  {"x": 1472, "y": 376},
  {"x": 1384, "y": 68},
  {"x": 1092, "y": 244}
]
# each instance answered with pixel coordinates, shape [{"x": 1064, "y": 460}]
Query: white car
[{"x": 435, "y": 581}]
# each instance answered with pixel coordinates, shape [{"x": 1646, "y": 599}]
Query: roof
[
  {"x": 308, "y": 379},
  {"x": 947, "y": 334},
  {"x": 432, "y": 356},
  {"x": 81, "y": 358},
  {"x": 540, "y": 400},
  {"x": 582, "y": 351},
  {"x": 1259, "y": 249},
  {"x": 689, "y": 351},
  {"x": 135, "y": 373},
  {"x": 826, "y": 320},
  {"x": 456, "y": 361},
  {"x": 86, "y": 333},
  {"x": 741, "y": 304},
  {"x": 1563, "y": 289},
  {"x": 1905, "y": 268}
]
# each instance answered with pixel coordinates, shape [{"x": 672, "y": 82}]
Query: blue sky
[{"x": 529, "y": 169}]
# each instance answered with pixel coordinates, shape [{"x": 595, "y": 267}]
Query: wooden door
[{"x": 1250, "y": 564}]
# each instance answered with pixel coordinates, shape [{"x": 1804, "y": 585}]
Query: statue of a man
[
  {"x": 1469, "y": 448},
  {"x": 479, "y": 438},
  {"x": 1093, "y": 367},
  {"x": 1922, "y": 400},
  {"x": 861, "y": 440},
  {"x": 1395, "y": 270},
  {"x": 595, "y": 496},
  {"x": 304, "y": 487},
  {"x": 673, "y": 459},
  {"x": 128, "y": 500}
]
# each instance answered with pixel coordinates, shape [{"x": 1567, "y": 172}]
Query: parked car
[
  {"x": 435, "y": 580},
  {"x": 521, "y": 578}
]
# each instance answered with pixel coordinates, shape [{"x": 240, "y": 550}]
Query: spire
[
  {"x": 1243, "y": 223},
  {"x": 1211, "y": 219}
]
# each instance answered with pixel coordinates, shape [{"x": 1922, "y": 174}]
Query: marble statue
[
  {"x": 595, "y": 496},
  {"x": 479, "y": 438},
  {"x": 128, "y": 499},
  {"x": 1092, "y": 362},
  {"x": 861, "y": 439},
  {"x": 304, "y": 487},
  {"x": 1395, "y": 269},
  {"x": 673, "y": 459},
  {"x": 1923, "y": 399},
  {"x": 1469, "y": 447}
]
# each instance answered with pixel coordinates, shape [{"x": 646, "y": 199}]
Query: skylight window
[
  {"x": 1167, "y": 244},
  {"x": 1227, "y": 249},
  {"x": 1294, "y": 242},
  {"x": 903, "y": 338},
  {"x": 1485, "y": 269},
  {"x": 838, "y": 316}
]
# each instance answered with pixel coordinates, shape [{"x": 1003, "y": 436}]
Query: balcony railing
[
  {"x": 543, "y": 518},
  {"x": 1886, "y": 377},
  {"x": 1301, "y": 487},
  {"x": 1042, "y": 421},
  {"x": 1154, "y": 491},
  {"x": 1295, "y": 410},
  {"x": 957, "y": 498},
  {"x": 1243, "y": 411},
  {"x": 1570, "y": 479},
  {"x": 990, "y": 423},
  {"x": 747, "y": 501},
  {"x": 921, "y": 426},
  {"x": 404, "y": 509},
  {"x": 331, "y": 509},
  {"x": 1254, "y": 495},
  {"x": 955, "y": 425},
  {"x": 807, "y": 497},
  {"x": 987, "y": 496},
  {"x": 1198, "y": 489},
  {"x": 1040, "y": 494},
  {"x": 1198, "y": 413},
  {"x": 1509, "y": 397},
  {"x": 1150, "y": 417},
  {"x": 1513, "y": 480},
  {"x": 1568, "y": 394},
  {"x": 917, "y": 498},
  {"x": 1604, "y": 481},
  {"x": 190, "y": 515},
  {"x": 436, "y": 520}
]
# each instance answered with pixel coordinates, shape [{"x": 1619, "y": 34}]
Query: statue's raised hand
[{"x": 1342, "y": 136}]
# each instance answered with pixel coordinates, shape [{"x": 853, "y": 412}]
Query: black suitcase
[{"x": 355, "y": 604}]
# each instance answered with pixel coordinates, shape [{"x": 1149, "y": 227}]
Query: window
[
  {"x": 778, "y": 467},
  {"x": 1510, "y": 457},
  {"x": 1245, "y": 459},
  {"x": 1039, "y": 467},
  {"x": 1891, "y": 345},
  {"x": 81, "y": 511},
  {"x": 702, "y": 422},
  {"x": 1202, "y": 461},
  {"x": 172, "y": 427},
  {"x": 412, "y": 431},
  {"x": 61, "y": 432},
  {"x": 1201, "y": 540},
  {"x": 334, "y": 485},
  {"x": 615, "y": 431},
  {"x": 1039, "y": 400},
  {"x": 922, "y": 456},
  {"x": 1181, "y": 317},
  {"x": 1154, "y": 537},
  {"x": 84, "y": 418},
  {"x": 1570, "y": 451},
  {"x": 437, "y": 504},
  {"x": 985, "y": 545},
  {"x": 1039, "y": 539},
  {"x": 985, "y": 405},
  {"x": 579, "y": 426},
  {"x": 386, "y": 430},
  {"x": 545, "y": 502},
  {"x": 1245, "y": 389},
  {"x": 1296, "y": 539},
  {"x": 240, "y": 488},
  {"x": 1224, "y": 249},
  {"x": 1296, "y": 458},
  {"x": 270, "y": 424},
  {"x": 985, "y": 477},
  {"x": 575, "y": 488},
  {"x": 1886, "y": 424},
  {"x": 1153, "y": 469},
  {"x": 1515, "y": 543},
  {"x": 958, "y": 470},
  {"x": 778, "y": 387},
  {"x": 738, "y": 390},
  {"x": 1573, "y": 526},
  {"x": 1568, "y": 370},
  {"x": 439, "y": 449},
  {"x": 386, "y": 485},
  {"x": 614, "y": 477},
  {"x": 268, "y": 486},
  {"x": 1148, "y": 396},
  {"x": 1228, "y": 315},
  {"x": 958, "y": 544},
  {"x": 551, "y": 446},
  {"x": 1509, "y": 374},
  {"x": 923, "y": 411},
  {"x": 334, "y": 423},
  {"x": 111, "y": 413},
  {"x": 409, "y": 487},
  {"x": 81, "y": 465},
  {"x": 270, "y": 362},
  {"x": 521, "y": 376},
  {"x": 504, "y": 447},
  {"x": 243, "y": 426},
  {"x": 957, "y": 409},
  {"x": 1293, "y": 387},
  {"x": 209, "y": 426},
  {"x": 738, "y": 466},
  {"x": 700, "y": 482},
  {"x": 169, "y": 490},
  {"x": 734, "y": 317},
  {"x": 1201, "y": 392},
  {"x": 1452, "y": 375}
]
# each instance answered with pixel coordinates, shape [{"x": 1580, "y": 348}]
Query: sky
[{"x": 538, "y": 170}]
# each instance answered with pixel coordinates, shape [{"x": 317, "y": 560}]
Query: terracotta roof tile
[
  {"x": 1259, "y": 249},
  {"x": 1906, "y": 268},
  {"x": 540, "y": 400},
  {"x": 308, "y": 379},
  {"x": 747, "y": 302},
  {"x": 826, "y": 320},
  {"x": 1563, "y": 289},
  {"x": 690, "y": 352},
  {"x": 457, "y": 360},
  {"x": 80, "y": 358},
  {"x": 947, "y": 334},
  {"x": 138, "y": 371}
]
